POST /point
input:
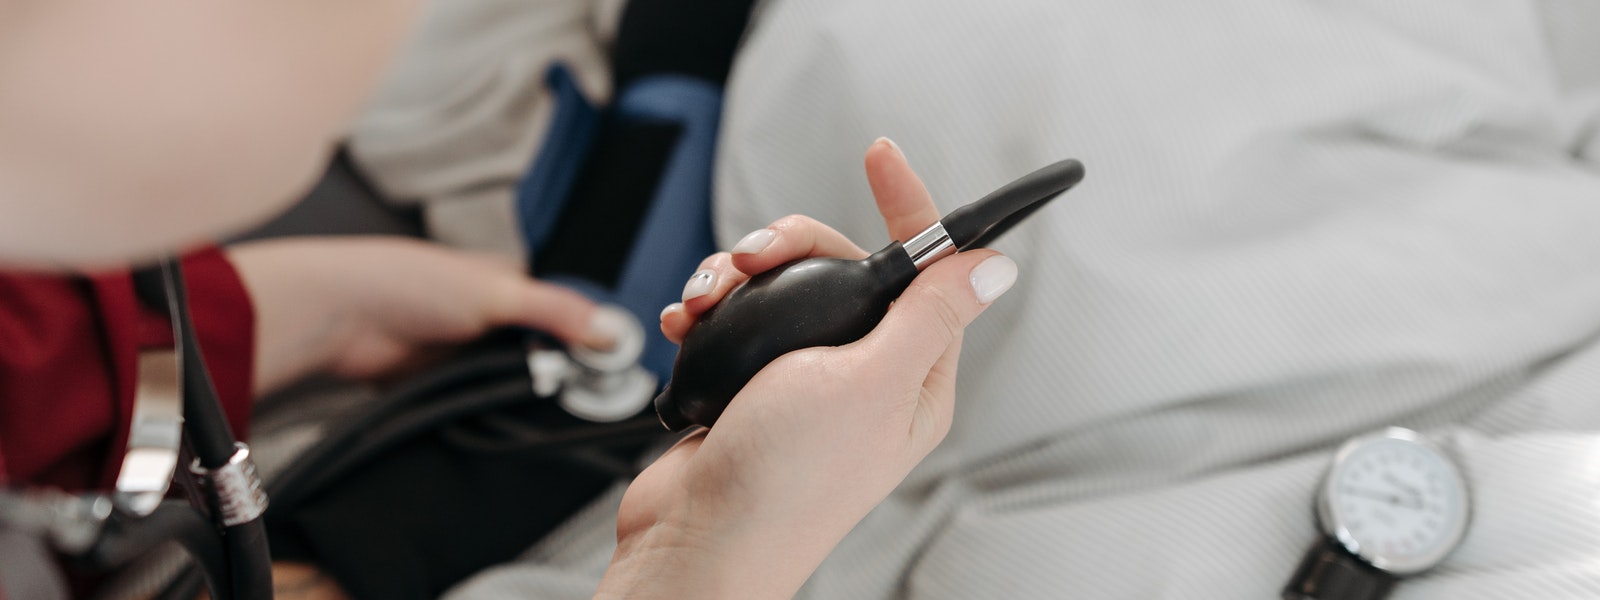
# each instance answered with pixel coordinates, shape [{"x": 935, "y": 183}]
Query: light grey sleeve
[{"x": 27, "y": 570}]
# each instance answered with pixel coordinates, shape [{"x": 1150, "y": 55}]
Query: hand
[
  {"x": 750, "y": 508},
  {"x": 363, "y": 307}
]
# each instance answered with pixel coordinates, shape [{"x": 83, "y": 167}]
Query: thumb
[{"x": 931, "y": 314}]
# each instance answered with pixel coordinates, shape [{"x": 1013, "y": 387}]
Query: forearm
[
  {"x": 364, "y": 307},
  {"x": 299, "y": 330}
]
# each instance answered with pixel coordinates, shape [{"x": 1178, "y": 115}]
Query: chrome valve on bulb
[{"x": 830, "y": 301}]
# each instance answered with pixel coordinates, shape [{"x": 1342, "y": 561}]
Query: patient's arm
[{"x": 363, "y": 307}]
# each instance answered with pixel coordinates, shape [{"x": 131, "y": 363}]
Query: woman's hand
[
  {"x": 751, "y": 507},
  {"x": 363, "y": 307}
]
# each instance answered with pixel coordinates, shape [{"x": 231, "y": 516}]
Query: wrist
[
  {"x": 716, "y": 553},
  {"x": 659, "y": 560},
  {"x": 677, "y": 560}
]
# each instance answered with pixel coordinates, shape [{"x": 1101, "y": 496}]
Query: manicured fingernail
[
  {"x": 670, "y": 307},
  {"x": 893, "y": 145},
  {"x": 993, "y": 277},
  {"x": 756, "y": 241},
  {"x": 606, "y": 326},
  {"x": 699, "y": 284}
]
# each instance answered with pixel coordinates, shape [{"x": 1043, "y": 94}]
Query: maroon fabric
[{"x": 68, "y": 348}]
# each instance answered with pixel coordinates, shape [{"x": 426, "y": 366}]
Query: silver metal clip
[
  {"x": 157, "y": 430},
  {"x": 237, "y": 487}
]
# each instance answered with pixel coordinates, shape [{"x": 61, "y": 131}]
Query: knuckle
[
  {"x": 717, "y": 261},
  {"x": 805, "y": 226},
  {"x": 792, "y": 221},
  {"x": 807, "y": 360}
]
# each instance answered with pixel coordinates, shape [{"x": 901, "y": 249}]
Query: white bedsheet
[{"x": 1303, "y": 220}]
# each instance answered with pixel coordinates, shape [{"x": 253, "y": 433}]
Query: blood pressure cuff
[{"x": 431, "y": 512}]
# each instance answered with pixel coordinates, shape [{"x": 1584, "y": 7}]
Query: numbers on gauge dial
[{"x": 1397, "y": 499}]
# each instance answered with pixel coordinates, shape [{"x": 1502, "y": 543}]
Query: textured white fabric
[
  {"x": 459, "y": 117},
  {"x": 1303, "y": 220}
]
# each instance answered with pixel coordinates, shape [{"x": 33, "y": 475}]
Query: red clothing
[{"x": 68, "y": 348}]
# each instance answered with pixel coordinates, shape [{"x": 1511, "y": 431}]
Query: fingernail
[
  {"x": 606, "y": 326},
  {"x": 993, "y": 277},
  {"x": 699, "y": 284},
  {"x": 755, "y": 241},
  {"x": 893, "y": 145},
  {"x": 670, "y": 307}
]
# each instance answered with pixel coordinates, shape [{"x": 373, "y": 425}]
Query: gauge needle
[
  {"x": 1410, "y": 490},
  {"x": 1394, "y": 499}
]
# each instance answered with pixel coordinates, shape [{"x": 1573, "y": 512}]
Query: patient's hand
[
  {"x": 749, "y": 508},
  {"x": 363, "y": 307}
]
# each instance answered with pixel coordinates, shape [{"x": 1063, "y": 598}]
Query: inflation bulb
[{"x": 830, "y": 301}]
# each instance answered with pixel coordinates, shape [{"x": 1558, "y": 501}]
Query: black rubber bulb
[{"x": 829, "y": 301}]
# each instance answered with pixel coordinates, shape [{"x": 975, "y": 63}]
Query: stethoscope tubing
[
  {"x": 245, "y": 572},
  {"x": 500, "y": 379},
  {"x": 313, "y": 467}
]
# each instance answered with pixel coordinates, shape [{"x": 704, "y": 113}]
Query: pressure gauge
[{"x": 1392, "y": 504}]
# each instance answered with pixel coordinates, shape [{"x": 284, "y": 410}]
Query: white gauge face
[{"x": 1395, "y": 501}]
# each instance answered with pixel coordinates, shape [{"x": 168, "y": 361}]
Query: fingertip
[
  {"x": 902, "y": 198},
  {"x": 699, "y": 284},
  {"x": 607, "y": 325},
  {"x": 892, "y": 146},
  {"x": 556, "y": 309},
  {"x": 946, "y": 298},
  {"x": 754, "y": 242},
  {"x": 988, "y": 274},
  {"x": 754, "y": 264},
  {"x": 883, "y": 148},
  {"x": 992, "y": 277},
  {"x": 700, "y": 304},
  {"x": 674, "y": 322},
  {"x": 749, "y": 259},
  {"x": 671, "y": 308}
]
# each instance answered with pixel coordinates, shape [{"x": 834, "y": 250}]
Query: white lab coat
[{"x": 459, "y": 117}]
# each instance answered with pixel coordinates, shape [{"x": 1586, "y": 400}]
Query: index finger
[{"x": 903, "y": 200}]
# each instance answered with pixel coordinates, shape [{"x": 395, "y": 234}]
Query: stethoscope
[{"x": 177, "y": 413}]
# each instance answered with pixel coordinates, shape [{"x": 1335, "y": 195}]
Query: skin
[
  {"x": 133, "y": 129},
  {"x": 364, "y": 308},
  {"x": 815, "y": 440}
]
